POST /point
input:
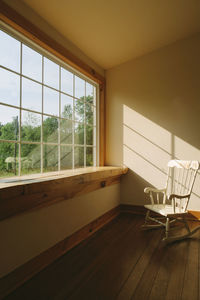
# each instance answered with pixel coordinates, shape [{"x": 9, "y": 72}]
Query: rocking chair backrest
[{"x": 181, "y": 177}]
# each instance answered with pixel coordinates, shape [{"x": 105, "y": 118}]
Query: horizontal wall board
[{"x": 26, "y": 195}]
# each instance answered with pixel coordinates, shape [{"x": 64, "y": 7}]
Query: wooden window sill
[{"x": 22, "y": 194}]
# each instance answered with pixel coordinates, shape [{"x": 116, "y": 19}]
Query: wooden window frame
[
  {"x": 12, "y": 18},
  {"x": 19, "y": 142},
  {"x": 31, "y": 193}
]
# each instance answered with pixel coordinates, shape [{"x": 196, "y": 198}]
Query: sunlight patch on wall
[
  {"x": 146, "y": 147},
  {"x": 146, "y": 128},
  {"x": 183, "y": 150}
]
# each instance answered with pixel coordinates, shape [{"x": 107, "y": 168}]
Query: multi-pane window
[{"x": 47, "y": 113}]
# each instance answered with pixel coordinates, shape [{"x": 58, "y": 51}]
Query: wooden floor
[{"x": 120, "y": 262}]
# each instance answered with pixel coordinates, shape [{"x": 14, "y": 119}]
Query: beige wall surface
[
  {"x": 35, "y": 19},
  {"x": 27, "y": 235},
  {"x": 153, "y": 115}
]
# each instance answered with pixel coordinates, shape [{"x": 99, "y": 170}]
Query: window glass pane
[
  {"x": 89, "y": 112},
  {"x": 9, "y": 123},
  {"x": 66, "y": 82},
  {"x": 89, "y": 93},
  {"x": 79, "y": 88},
  {"x": 50, "y": 129},
  {"x": 30, "y": 158},
  {"x": 78, "y": 157},
  {"x": 9, "y": 87},
  {"x": 79, "y": 110},
  {"x": 65, "y": 157},
  {"x": 51, "y": 102},
  {"x": 31, "y": 127},
  {"x": 50, "y": 158},
  {"x": 89, "y": 135},
  {"x": 66, "y": 106},
  {"x": 8, "y": 159},
  {"x": 89, "y": 156},
  {"x": 51, "y": 73},
  {"x": 31, "y": 63},
  {"x": 9, "y": 52},
  {"x": 31, "y": 95},
  {"x": 65, "y": 131},
  {"x": 79, "y": 134}
]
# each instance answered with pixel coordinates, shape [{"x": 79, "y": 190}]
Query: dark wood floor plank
[
  {"x": 167, "y": 263},
  {"x": 71, "y": 269},
  {"x": 139, "y": 268},
  {"x": 92, "y": 260},
  {"x": 107, "y": 281},
  {"x": 144, "y": 286},
  {"x": 177, "y": 274},
  {"x": 191, "y": 280},
  {"x": 109, "y": 253}
]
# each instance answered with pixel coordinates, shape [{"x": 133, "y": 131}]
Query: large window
[{"x": 47, "y": 112}]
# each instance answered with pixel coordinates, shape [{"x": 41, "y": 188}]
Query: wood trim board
[
  {"x": 134, "y": 209},
  {"x": 42, "y": 192},
  {"x": 141, "y": 210}
]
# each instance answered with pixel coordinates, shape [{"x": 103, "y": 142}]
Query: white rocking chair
[{"x": 171, "y": 202}]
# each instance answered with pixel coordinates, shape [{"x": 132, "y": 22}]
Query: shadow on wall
[{"x": 147, "y": 148}]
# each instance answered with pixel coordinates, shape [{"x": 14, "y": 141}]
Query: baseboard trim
[
  {"x": 134, "y": 209},
  {"x": 192, "y": 215},
  {"x": 20, "y": 275}
]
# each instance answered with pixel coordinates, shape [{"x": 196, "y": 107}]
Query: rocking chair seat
[{"x": 164, "y": 210}]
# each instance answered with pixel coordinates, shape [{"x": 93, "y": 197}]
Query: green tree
[
  {"x": 79, "y": 133},
  {"x": 8, "y": 131},
  {"x": 31, "y": 131}
]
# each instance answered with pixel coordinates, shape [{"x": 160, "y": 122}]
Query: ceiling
[{"x": 111, "y": 32}]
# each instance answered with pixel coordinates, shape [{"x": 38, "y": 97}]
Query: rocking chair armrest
[
  {"x": 178, "y": 196},
  {"x": 150, "y": 189}
]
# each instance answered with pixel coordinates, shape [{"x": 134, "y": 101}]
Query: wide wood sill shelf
[{"x": 21, "y": 194}]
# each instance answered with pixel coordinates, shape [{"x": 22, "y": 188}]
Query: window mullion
[
  {"x": 20, "y": 112},
  {"x": 85, "y": 127},
  {"x": 42, "y": 145},
  {"x": 73, "y": 124},
  {"x": 59, "y": 147}
]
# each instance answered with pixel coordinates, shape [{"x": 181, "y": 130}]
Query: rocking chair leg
[
  {"x": 147, "y": 216},
  {"x": 167, "y": 228}
]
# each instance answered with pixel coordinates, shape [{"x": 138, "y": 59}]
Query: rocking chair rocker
[{"x": 171, "y": 202}]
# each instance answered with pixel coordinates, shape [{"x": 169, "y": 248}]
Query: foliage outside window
[{"x": 47, "y": 113}]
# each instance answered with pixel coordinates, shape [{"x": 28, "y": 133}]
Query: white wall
[{"x": 153, "y": 113}]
